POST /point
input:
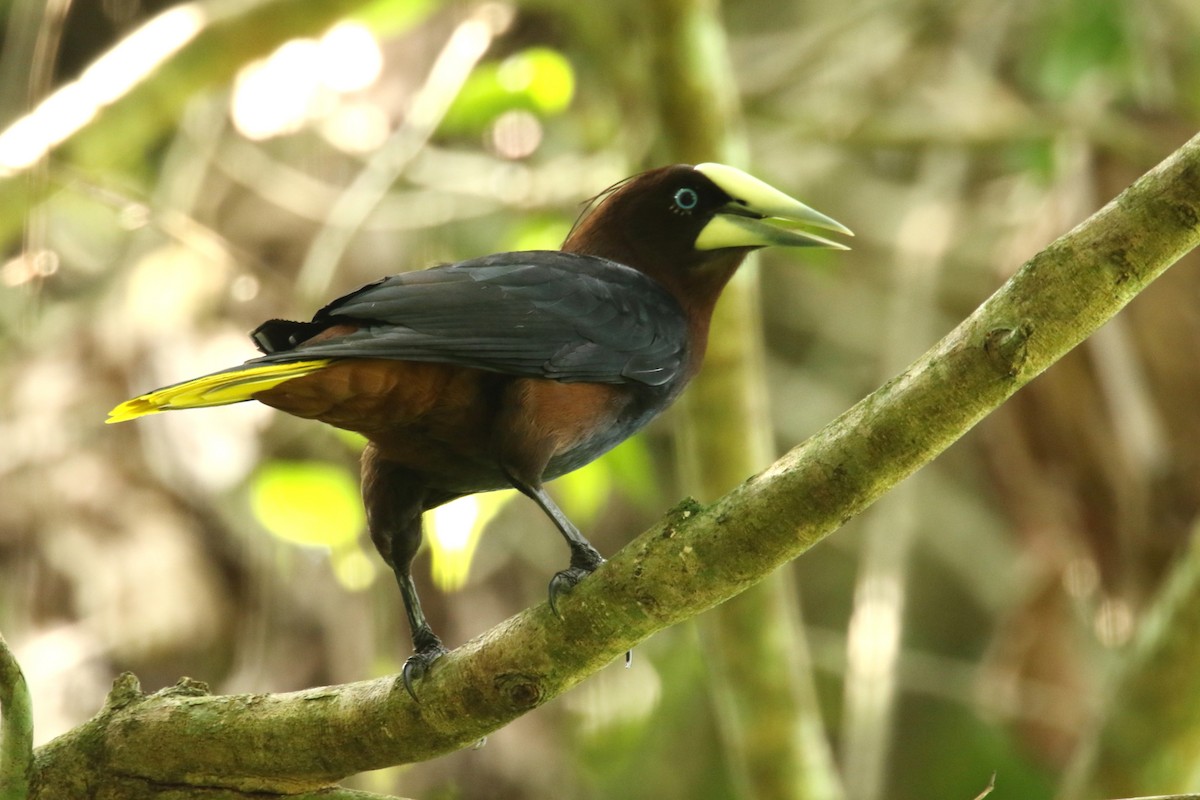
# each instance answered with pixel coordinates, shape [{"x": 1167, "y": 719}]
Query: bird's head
[{"x": 691, "y": 226}]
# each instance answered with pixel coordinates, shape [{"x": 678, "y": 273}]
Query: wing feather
[{"x": 537, "y": 313}]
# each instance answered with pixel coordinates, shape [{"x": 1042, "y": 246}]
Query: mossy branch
[
  {"x": 16, "y": 728},
  {"x": 692, "y": 560}
]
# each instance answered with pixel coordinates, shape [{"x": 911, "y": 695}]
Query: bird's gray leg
[
  {"x": 394, "y": 499},
  {"x": 584, "y": 558}
]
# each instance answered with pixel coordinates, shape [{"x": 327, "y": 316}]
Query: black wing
[{"x": 537, "y": 313}]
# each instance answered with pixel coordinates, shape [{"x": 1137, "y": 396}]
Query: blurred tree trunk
[
  {"x": 765, "y": 702},
  {"x": 877, "y": 622},
  {"x": 1149, "y": 738}
]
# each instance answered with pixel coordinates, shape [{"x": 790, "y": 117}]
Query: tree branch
[
  {"x": 692, "y": 560},
  {"x": 16, "y": 728}
]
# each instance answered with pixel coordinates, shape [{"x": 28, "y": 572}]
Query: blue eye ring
[{"x": 686, "y": 199}]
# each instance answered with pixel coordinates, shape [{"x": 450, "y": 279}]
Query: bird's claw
[
  {"x": 563, "y": 582},
  {"x": 418, "y": 665}
]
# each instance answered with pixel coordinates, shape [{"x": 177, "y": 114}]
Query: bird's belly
[
  {"x": 455, "y": 427},
  {"x": 434, "y": 419}
]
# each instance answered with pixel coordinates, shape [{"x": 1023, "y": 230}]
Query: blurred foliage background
[{"x": 1019, "y": 607}]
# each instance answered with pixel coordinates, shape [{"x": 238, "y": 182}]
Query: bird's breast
[{"x": 629, "y": 409}]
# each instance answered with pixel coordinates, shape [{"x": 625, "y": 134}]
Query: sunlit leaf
[
  {"x": 354, "y": 569},
  {"x": 392, "y": 17},
  {"x": 538, "y": 80},
  {"x": 453, "y": 532},
  {"x": 307, "y": 503},
  {"x": 543, "y": 75}
]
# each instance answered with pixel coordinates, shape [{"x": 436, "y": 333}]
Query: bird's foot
[
  {"x": 418, "y": 665},
  {"x": 563, "y": 582}
]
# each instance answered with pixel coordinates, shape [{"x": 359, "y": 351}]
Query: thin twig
[{"x": 991, "y": 784}]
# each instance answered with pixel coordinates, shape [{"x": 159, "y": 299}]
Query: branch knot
[{"x": 1005, "y": 348}]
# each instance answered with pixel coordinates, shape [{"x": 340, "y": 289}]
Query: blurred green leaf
[
  {"x": 307, "y": 503},
  {"x": 1082, "y": 38},
  {"x": 392, "y": 17},
  {"x": 627, "y": 468},
  {"x": 537, "y": 233},
  {"x": 1034, "y": 157},
  {"x": 584, "y": 492},
  {"x": 633, "y": 471},
  {"x": 538, "y": 80},
  {"x": 355, "y": 441}
]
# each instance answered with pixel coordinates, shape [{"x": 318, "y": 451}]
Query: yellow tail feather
[{"x": 218, "y": 389}]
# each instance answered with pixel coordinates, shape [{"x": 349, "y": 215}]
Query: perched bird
[{"x": 514, "y": 368}]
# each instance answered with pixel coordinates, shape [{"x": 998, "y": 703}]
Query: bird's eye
[{"x": 686, "y": 199}]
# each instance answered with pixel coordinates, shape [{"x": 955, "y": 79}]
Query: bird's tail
[{"x": 218, "y": 389}]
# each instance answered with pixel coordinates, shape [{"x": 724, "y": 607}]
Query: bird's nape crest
[{"x": 589, "y": 205}]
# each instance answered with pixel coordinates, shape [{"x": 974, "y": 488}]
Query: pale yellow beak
[{"x": 746, "y": 221}]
